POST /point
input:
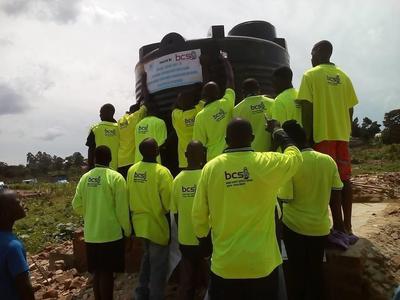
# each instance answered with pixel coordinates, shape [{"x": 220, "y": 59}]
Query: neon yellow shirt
[
  {"x": 102, "y": 201},
  {"x": 252, "y": 109},
  {"x": 183, "y": 191},
  {"x": 308, "y": 194},
  {"x": 149, "y": 127},
  {"x": 183, "y": 122},
  {"x": 210, "y": 124},
  {"x": 236, "y": 198},
  {"x": 107, "y": 134},
  {"x": 127, "y": 124},
  {"x": 149, "y": 192},
  {"x": 285, "y": 107},
  {"x": 332, "y": 94}
]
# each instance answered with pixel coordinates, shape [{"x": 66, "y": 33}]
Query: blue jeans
[{"x": 153, "y": 272}]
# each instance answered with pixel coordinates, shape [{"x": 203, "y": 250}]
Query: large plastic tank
[{"x": 253, "y": 50}]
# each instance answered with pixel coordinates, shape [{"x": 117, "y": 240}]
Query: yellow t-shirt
[
  {"x": 183, "y": 191},
  {"x": 107, "y": 134},
  {"x": 308, "y": 194},
  {"x": 183, "y": 122},
  {"x": 127, "y": 124},
  {"x": 149, "y": 192},
  {"x": 210, "y": 124},
  {"x": 149, "y": 127},
  {"x": 236, "y": 198},
  {"x": 102, "y": 201},
  {"x": 285, "y": 107},
  {"x": 332, "y": 94},
  {"x": 252, "y": 109}
]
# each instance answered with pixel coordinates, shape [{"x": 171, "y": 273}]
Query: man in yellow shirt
[
  {"x": 307, "y": 197},
  {"x": 328, "y": 97},
  {"x": 104, "y": 133},
  {"x": 194, "y": 269},
  {"x": 285, "y": 106},
  {"x": 253, "y": 108},
  {"x": 127, "y": 124},
  {"x": 183, "y": 117},
  {"x": 236, "y": 200},
  {"x": 101, "y": 199},
  {"x": 149, "y": 191},
  {"x": 210, "y": 123}
]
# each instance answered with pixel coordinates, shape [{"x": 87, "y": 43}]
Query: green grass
[
  {"x": 376, "y": 158},
  {"x": 49, "y": 217}
]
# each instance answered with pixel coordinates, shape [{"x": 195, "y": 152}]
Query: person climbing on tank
[{"x": 211, "y": 122}]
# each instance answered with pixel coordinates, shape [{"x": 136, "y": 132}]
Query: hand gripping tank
[{"x": 253, "y": 50}]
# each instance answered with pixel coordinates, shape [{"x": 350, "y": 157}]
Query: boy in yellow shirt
[{"x": 149, "y": 191}]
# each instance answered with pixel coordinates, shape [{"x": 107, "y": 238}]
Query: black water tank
[{"x": 253, "y": 50}]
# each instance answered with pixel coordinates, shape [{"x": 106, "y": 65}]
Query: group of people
[{"x": 251, "y": 175}]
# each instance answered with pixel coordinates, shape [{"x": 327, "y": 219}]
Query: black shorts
[{"x": 106, "y": 257}]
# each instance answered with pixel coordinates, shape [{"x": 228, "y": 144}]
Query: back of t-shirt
[{"x": 12, "y": 263}]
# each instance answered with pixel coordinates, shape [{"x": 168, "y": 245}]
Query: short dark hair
[
  {"x": 108, "y": 107},
  {"x": 283, "y": 72},
  {"x": 250, "y": 85},
  {"x": 324, "y": 47},
  {"x": 295, "y": 131},
  {"x": 102, "y": 155}
]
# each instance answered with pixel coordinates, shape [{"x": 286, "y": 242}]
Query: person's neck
[
  {"x": 325, "y": 62},
  {"x": 290, "y": 86},
  {"x": 193, "y": 167},
  {"x": 303, "y": 146},
  {"x": 108, "y": 120},
  {"x": 149, "y": 160},
  {"x": 238, "y": 146}
]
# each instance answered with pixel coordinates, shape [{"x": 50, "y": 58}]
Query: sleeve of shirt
[
  {"x": 91, "y": 141},
  {"x": 200, "y": 210},
  {"x": 229, "y": 97},
  {"x": 235, "y": 112},
  {"x": 351, "y": 98},
  {"x": 174, "y": 116},
  {"x": 305, "y": 91},
  {"x": 122, "y": 205},
  {"x": 337, "y": 183},
  {"x": 162, "y": 133},
  {"x": 165, "y": 186},
  {"x": 174, "y": 198},
  {"x": 128, "y": 190},
  {"x": 16, "y": 259},
  {"x": 198, "y": 131},
  {"x": 199, "y": 106},
  {"x": 286, "y": 191},
  {"x": 77, "y": 202}
]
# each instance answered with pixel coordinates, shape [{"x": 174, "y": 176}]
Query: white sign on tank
[{"x": 173, "y": 70}]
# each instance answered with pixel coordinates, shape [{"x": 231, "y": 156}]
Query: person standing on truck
[
  {"x": 15, "y": 281},
  {"x": 194, "y": 268},
  {"x": 104, "y": 133},
  {"x": 236, "y": 200},
  {"x": 254, "y": 107},
  {"x": 183, "y": 117},
  {"x": 285, "y": 106},
  {"x": 127, "y": 125},
  {"x": 101, "y": 198},
  {"x": 306, "y": 200},
  {"x": 327, "y": 97},
  {"x": 149, "y": 191},
  {"x": 210, "y": 123}
]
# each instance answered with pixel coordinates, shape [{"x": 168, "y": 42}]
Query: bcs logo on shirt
[
  {"x": 219, "y": 115},
  {"x": 333, "y": 80},
  {"x": 257, "y": 108},
  {"x": 123, "y": 124},
  {"x": 237, "y": 178},
  {"x": 140, "y": 177},
  {"x": 94, "y": 181},
  {"x": 189, "y": 122},
  {"x": 188, "y": 191},
  {"x": 110, "y": 132},
  {"x": 143, "y": 129}
]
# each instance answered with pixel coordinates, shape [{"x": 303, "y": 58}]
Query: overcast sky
[{"x": 60, "y": 60}]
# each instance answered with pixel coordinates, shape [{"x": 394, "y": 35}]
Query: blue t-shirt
[{"x": 12, "y": 263}]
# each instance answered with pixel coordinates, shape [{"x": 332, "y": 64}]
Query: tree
[
  {"x": 369, "y": 129},
  {"x": 391, "y": 133},
  {"x": 57, "y": 163}
]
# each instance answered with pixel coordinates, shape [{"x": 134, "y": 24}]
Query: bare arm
[
  {"x": 230, "y": 82},
  {"x": 24, "y": 287},
  {"x": 91, "y": 157},
  {"x": 336, "y": 210},
  {"x": 307, "y": 119}
]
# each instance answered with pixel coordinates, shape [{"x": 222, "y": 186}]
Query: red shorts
[{"x": 339, "y": 151}]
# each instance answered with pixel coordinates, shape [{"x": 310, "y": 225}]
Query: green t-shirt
[
  {"x": 332, "y": 94},
  {"x": 107, "y": 134},
  {"x": 308, "y": 194},
  {"x": 252, "y": 109},
  {"x": 102, "y": 201},
  {"x": 183, "y": 191},
  {"x": 211, "y": 122},
  {"x": 127, "y": 124},
  {"x": 183, "y": 122},
  {"x": 149, "y": 191},
  {"x": 236, "y": 198},
  {"x": 149, "y": 127},
  {"x": 285, "y": 107}
]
